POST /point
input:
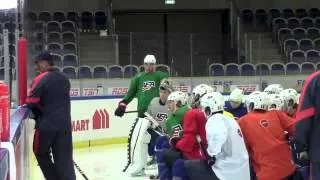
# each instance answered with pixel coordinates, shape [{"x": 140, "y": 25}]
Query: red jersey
[
  {"x": 267, "y": 144},
  {"x": 194, "y": 122}
]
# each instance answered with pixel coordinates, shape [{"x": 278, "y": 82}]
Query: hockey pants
[{"x": 59, "y": 144}]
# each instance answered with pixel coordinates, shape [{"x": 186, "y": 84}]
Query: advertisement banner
[
  {"x": 94, "y": 119},
  {"x": 117, "y": 91},
  {"x": 228, "y": 88},
  {"x": 74, "y": 92},
  {"x": 183, "y": 88}
]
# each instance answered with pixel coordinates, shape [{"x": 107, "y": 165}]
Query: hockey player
[
  {"x": 235, "y": 104},
  {"x": 273, "y": 89},
  {"x": 291, "y": 101},
  {"x": 177, "y": 105},
  {"x": 227, "y": 155},
  {"x": 276, "y": 102},
  {"x": 199, "y": 91},
  {"x": 158, "y": 110},
  {"x": 144, "y": 86},
  {"x": 308, "y": 121},
  {"x": 265, "y": 138}
]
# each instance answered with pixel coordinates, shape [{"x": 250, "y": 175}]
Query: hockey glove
[
  {"x": 211, "y": 160},
  {"x": 173, "y": 141},
  {"x": 121, "y": 109}
]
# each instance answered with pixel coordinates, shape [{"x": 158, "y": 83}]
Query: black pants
[
  {"x": 199, "y": 170},
  {"x": 59, "y": 144}
]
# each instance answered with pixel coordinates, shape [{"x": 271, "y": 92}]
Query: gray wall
[{"x": 81, "y": 5}]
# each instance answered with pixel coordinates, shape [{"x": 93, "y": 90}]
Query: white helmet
[
  {"x": 236, "y": 95},
  {"x": 166, "y": 84},
  {"x": 290, "y": 96},
  {"x": 273, "y": 89},
  {"x": 257, "y": 100},
  {"x": 149, "y": 59},
  {"x": 213, "y": 101},
  {"x": 178, "y": 96},
  {"x": 198, "y": 92},
  {"x": 276, "y": 101}
]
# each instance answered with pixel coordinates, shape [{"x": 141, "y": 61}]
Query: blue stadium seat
[
  {"x": 115, "y": 71},
  {"x": 293, "y": 68},
  {"x": 307, "y": 22},
  {"x": 87, "y": 20},
  {"x": 70, "y": 72},
  {"x": 289, "y": 46},
  {"x": 279, "y": 23},
  {"x": 59, "y": 16},
  {"x": 313, "y": 56},
  {"x": 54, "y": 37},
  {"x": 299, "y": 33},
  {"x": 305, "y": 44},
  {"x": 55, "y": 48},
  {"x": 68, "y": 26},
  {"x": 100, "y": 71},
  {"x": 44, "y": 16},
  {"x": 287, "y": 13},
  {"x": 314, "y": 12},
  {"x": 216, "y": 69},
  {"x": 308, "y": 68},
  {"x": 53, "y": 26},
  {"x": 301, "y": 13},
  {"x": 73, "y": 16},
  {"x": 100, "y": 19},
  {"x": 293, "y": 22},
  {"x": 32, "y": 16},
  {"x": 38, "y": 47},
  {"x": 274, "y": 13},
  {"x": 57, "y": 60},
  {"x": 69, "y": 48},
  {"x": 247, "y": 16},
  {"x": 163, "y": 68},
  {"x": 68, "y": 37},
  {"x": 316, "y": 44},
  {"x": 261, "y": 16},
  {"x": 85, "y": 72},
  {"x": 277, "y": 69},
  {"x": 57, "y": 68},
  {"x": 70, "y": 60},
  {"x": 232, "y": 69},
  {"x": 284, "y": 34},
  {"x": 313, "y": 33},
  {"x": 39, "y": 26},
  {"x": 130, "y": 70},
  {"x": 298, "y": 56},
  {"x": 247, "y": 69}
]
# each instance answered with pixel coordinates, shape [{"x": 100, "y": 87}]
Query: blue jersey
[{"x": 238, "y": 112}]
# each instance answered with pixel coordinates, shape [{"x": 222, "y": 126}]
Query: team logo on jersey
[
  {"x": 161, "y": 116},
  {"x": 264, "y": 123},
  {"x": 147, "y": 85},
  {"x": 176, "y": 130},
  {"x": 239, "y": 132}
]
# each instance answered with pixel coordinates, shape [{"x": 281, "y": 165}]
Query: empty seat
[
  {"x": 278, "y": 23},
  {"x": 313, "y": 33},
  {"x": 301, "y": 13},
  {"x": 54, "y": 37},
  {"x": 274, "y": 13},
  {"x": 87, "y": 20},
  {"x": 216, "y": 70},
  {"x": 287, "y": 13},
  {"x": 284, "y": 34},
  {"x": 69, "y": 48},
  {"x": 100, "y": 19},
  {"x": 290, "y": 45},
  {"x": 307, "y": 68},
  {"x": 59, "y": 16},
  {"x": 85, "y": 72},
  {"x": 68, "y": 37},
  {"x": 247, "y": 16},
  {"x": 130, "y": 71},
  {"x": 314, "y": 12},
  {"x": 53, "y": 26},
  {"x": 163, "y": 68},
  {"x": 293, "y": 22},
  {"x": 247, "y": 69},
  {"x": 298, "y": 56},
  {"x": 57, "y": 68},
  {"x": 115, "y": 71},
  {"x": 44, "y": 16},
  {"x": 277, "y": 69},
  {"x": 261, "y": 16},
  {"x": 70, "y": 60},
  {"x": 262, "y": 69},
  {"x": 70, "y": 72},
  {"x": 305, "y": 44},
  {"x": 293, "y": 68},
  {"x": 55, "y": 48},
  {"x": 68, "y": 26},
  {"x": 32, "y": 16},
  {"x": 317, "y": 22},
  {"x": 100, "y": 71},
  {"x": 316, "y": 44},
  {"x": 39, "y": 26},
  {"x": 57, "y": 60},
  {"x": 313, "y": 56},
  {"x": 38, "y": 48},
  {"x": 299, "y": 33},
  {"x": 74, "y": 17},
  {"x": 307, "y": 22},
  {"x": 232, "y": 69}
]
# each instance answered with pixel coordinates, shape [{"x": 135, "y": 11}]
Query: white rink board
[{"x": 83, "y": 113}]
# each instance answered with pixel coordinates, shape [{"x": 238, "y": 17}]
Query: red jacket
[
  {"x": 266, "y": 143},
  {"x": 194, "y": 122}
]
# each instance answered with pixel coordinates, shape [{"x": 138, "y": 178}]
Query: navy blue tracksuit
[{"x": 49, "y": 100}]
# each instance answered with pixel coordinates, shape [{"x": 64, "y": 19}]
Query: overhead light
[
  {"x": 170, "y": 1},
  {"x": 8, "y": 4}
]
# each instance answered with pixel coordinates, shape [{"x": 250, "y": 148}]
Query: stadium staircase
[{"x": 96, "y": 49}]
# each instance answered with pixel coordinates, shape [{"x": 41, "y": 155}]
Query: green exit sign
[{"x": 170, "y": 1}]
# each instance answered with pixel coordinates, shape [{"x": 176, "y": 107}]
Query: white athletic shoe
[{"x": 138, "y": 174}]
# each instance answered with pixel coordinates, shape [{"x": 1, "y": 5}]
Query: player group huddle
[{"x": 202, "y": 136}]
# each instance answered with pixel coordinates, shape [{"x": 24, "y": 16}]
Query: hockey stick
[
  {"x": 131, "y": 112},
  {"x": 80, "y": 171}
]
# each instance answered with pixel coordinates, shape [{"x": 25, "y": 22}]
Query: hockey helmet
[
  {"x": 198, "y": 92},
  {"x": 178, "y": 97},
  {"x": 273, "y": 89},
  {"x": 257, "y": 101},
  {"x": 276, "y": 101},
  {"x": 236, "y": 95},
  {"x": 166, "y": 84},
  {"x": 150, "y": 59},
  {"x": 211, "y": 103}
]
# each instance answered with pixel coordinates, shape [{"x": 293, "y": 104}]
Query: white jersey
[
  {"x": 226, "y": 143},
  {"x": 158, "y": 111}
]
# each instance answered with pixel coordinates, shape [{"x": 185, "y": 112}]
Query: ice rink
[{"x": 98, "y": 163}]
